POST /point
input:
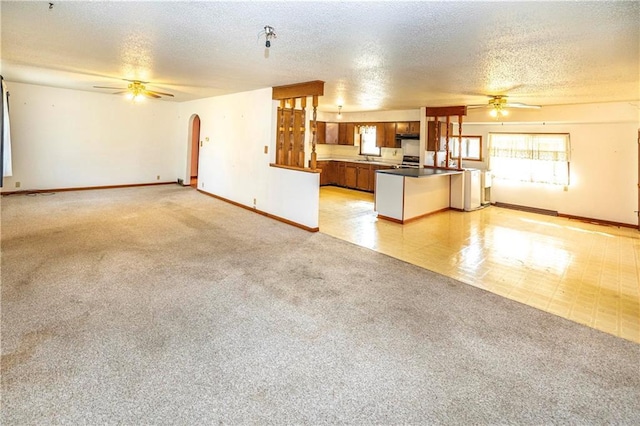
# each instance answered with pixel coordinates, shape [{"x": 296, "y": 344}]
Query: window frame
[
  {"x": 453, "y": 143},
  {"x": 375, "y": 145}
]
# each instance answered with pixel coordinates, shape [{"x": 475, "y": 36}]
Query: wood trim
[
  {"x": 298, "y": 169},
  {"x": 402, "y": 222},
  {"x": 598, "y": 221},
  {"x": 565, "y": 216},
  {"x": 253, "y": 209},
  {"x": 446, "y": 111},
  {"x": 526, "y": 209},
  {"x": 298, "y": 90},
  {"x": 426, "y": 214},
  {"x": 390, "y": 219},
  {"x": 86, "y": 188}
]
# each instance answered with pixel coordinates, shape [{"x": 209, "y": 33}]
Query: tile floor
[{"x": 581, "y": 271}]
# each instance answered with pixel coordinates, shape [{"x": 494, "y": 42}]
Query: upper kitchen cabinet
[
  {"x": 331, "y": 133},
  {"x": 390, "y": 140},
  {"x": 321, "y": 131},
  {"x": 437, "y": 135},
  {"x": 346, "y": 133},
  {"x": 408, "y": 128}
]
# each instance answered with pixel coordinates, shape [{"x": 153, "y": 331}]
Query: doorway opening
[{"x": 194, "y": 149}]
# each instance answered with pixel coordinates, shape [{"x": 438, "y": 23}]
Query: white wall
[
  {"x": 233, "y": 164},
  {"x": 68, "y": 138},
  {"x": 604, "y": 159}
]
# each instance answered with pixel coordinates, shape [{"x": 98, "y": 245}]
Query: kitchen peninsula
[{"x": 405, "y": 194}]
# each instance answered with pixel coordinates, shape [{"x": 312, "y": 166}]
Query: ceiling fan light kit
[
  {"x": 136, "y": 91},
  {"x": 498, "y": 106}
]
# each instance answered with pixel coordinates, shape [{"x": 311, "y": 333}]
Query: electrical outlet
[
  {"x": 18, "y": 184},
  {"x": 158, "y": 177},
  {"x": 254, "y": 203},
  {"x": 266, "y": 149}
]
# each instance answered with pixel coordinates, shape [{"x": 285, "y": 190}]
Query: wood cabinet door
[
  {"x": 364, "y": 177},
  {"x": 331, "y": 133},
  {"x": 340, "y": 171},
  {"x": 402, "y": 127},
  {"x": 351, "y": 175},
  {"x": 322, "y": 166},
  {"x": 414, "y": 127},
  {"x": 321, "y": 132},
  {"x": 390, "y": 136},
  {"x": 380, "y": 135},
  {"x": 345, "y": 133},
  {"x": 331, "y": 174}
]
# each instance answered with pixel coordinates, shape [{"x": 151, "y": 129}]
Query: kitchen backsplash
[{"x": 391, "y": 155}]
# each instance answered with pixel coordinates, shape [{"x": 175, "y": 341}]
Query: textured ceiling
[{"x": 372, "y": 55}]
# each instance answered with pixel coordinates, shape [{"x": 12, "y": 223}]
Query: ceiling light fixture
[
  {"x": 339, "y": 112},
  {"x": 135, "y": 91},
  {"x": 498, "y": 111},
  {"x": 497, "y": 107},
  {"x": 269, "y": 34}
]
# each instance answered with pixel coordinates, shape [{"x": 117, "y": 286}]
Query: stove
[{"x": 410, "y": 161}]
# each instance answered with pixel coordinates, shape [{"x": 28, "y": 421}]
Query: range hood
[{"x": 407, "y": 135}]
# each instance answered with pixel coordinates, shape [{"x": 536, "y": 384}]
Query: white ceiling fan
[{"x": 498, "y": 105}]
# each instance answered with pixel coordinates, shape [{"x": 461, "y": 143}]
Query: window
[
  {"x": 526, "y": 157},
  {"x": 368, "y": 140},
  {"x": 471, "y": 147}
]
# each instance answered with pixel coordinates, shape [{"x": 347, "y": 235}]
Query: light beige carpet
[{"x": 160, "y": 305}]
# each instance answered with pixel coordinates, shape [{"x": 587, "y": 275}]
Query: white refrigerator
[{"x": 472, "y": 187}]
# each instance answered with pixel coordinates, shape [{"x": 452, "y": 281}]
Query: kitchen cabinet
[
  {"x": 387, "y": 137},
  {"x": 346, "y": 132},
  {"x": 340, "y": 173},
  {"x": 408, "y": 128},
  {"x": 331, "y": 133},
  {"x": 332, "y": 175},
  {"x": 364, "y": 177},
  {"x": 437, "y": 135},
  {"x": 347, "y": 174},
  {"x": 324, "y": 167},
  {"x": 321, "y": 131},
  {"x": 351, "y": 175}
]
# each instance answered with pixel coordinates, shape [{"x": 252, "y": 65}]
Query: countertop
[{"x": 420, "y": 173}]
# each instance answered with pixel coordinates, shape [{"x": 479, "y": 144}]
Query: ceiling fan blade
[
  {"x": 136, "y": 81},
  {"x": 160, "y": 93},
  {"x": 151, "y": 95},
  {"x": 113, "y": 88},
  {"x": 477, "y": 106},
  {"x": 521, "y": 105}
]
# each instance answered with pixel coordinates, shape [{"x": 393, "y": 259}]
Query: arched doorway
[{"x": 195, "y": 150}]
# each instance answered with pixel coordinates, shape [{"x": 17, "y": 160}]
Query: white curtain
[
  {"x": 530, "y": 157},
  {"x": 6, "y": 133}
]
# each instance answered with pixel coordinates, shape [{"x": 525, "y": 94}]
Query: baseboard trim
[
  {"x": 390, "y": 219},
  {"x": 526, "y": 209},
  {"x": 402, "y": 222},
  {"x": 598, "y": 221},
  {"x": 566, "y": 216},
  {"x": 260, "y": 212},
  {"x": 83, "y": 188}
]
